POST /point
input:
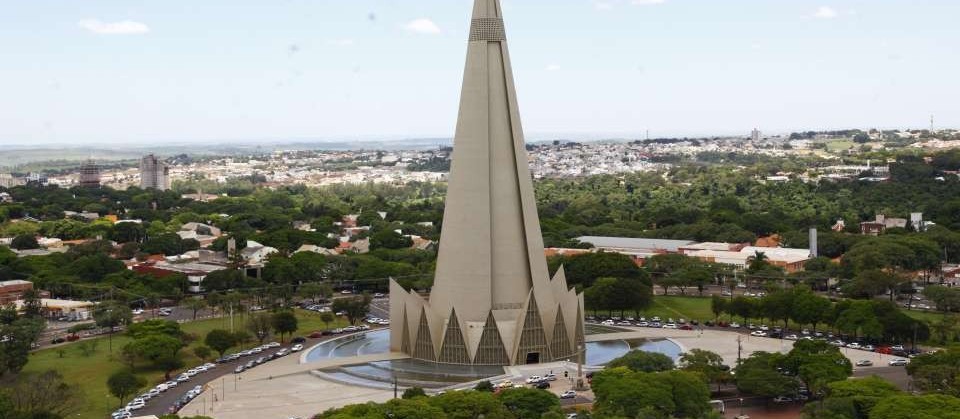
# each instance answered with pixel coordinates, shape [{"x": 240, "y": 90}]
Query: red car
[
  {"x": 316, "y": 335},
  {"x": 686, "y": 327}
]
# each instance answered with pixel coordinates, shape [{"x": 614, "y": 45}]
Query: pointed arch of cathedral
[
  {"x": 423, "y": 348},
  {"x": 454, "y": 348},
  {"x": 405, "y": 340},
  {"x": 491, "y": 350},
  {"x": 532, "y": 347},
  {"x": 560, "y": 343}
]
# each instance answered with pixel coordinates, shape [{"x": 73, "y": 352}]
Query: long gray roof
[{"x": 635, "y": 243}]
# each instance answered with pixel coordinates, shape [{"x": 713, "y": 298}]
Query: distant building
[
  {"x": 195, "y": 272},
  {"x": 11, "y": 291},
  {"x": 38, "y": 179},
  {"x": 154, "y": 174},
  {"x": 57, "y": 309},
  {"x": 8, "y": 181},
  {"x": 90, "y": 174},
  {"x": 881, "y": 224},
  {"x": 755, "y": 135}
]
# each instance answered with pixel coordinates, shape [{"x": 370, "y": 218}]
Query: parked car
[
  {"x": 569, "y": 394},
  {"x": 864, "y": 363},
  {"x": 298, "y": 339},
  {"x": 782, "y": 399},
  {"x": 758, "y": 333},
  {"x": 898, "y": 362},
  {"x": 296, "y": 348},
  {"x": 542, "y": 385}
]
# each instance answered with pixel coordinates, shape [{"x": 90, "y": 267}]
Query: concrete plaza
[{"x": 286, "y": 388}]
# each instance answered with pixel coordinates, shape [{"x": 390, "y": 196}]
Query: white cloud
[
  {"x": 423, "y": 26},
  {"x": 602, "y": 5},
  {"x": 647, "y": 2},
  {"x": 825, "y": 12},
  {"x": 123, "y": 27},
  {"x": 553, "y": 67},
  {"x": 344, "y": 42}
]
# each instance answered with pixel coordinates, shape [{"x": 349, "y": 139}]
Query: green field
[
  {"x": 840, "y": 145},
  {"x": 90, "y": 373},
  {"x": 689, "y": 308}
]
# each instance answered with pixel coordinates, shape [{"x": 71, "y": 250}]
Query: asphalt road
[{"x": 159, "y": 405}]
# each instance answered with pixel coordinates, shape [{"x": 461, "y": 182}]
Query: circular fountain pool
[{"x": 378, "y": 341}]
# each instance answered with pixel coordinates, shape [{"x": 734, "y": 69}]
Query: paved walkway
[
  {"x": 724, "y": 343},
  {"x": 285, "y": 388}
]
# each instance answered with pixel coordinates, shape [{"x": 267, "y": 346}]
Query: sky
[{"x": 163, "y": 71}]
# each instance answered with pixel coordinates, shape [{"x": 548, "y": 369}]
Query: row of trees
[{"x": 875, "y": 320}]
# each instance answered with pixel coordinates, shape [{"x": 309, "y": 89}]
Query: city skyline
[{"x": 136, "y": 73}]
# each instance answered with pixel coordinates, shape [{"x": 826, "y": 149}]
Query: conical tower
[{"x": 491, "y": 261}]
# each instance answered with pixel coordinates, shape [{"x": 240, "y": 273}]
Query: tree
[
  {"x": 621, "y": 392},
  {"x": 220, "y": 340},
  {"x": 930, "y": 406},
  {"x": 327, "y": 318},
  {"x": 284, "y": 322},
  {"x": 124, "y": 383},
  {"x": 40, "y": 395},
  {"x": 111, "y": 315},
  {"x": 195, "y": 305},
  {"x": 817, "y": 363},
  {"x": 718, "y": 305},
  {"x": 389, "y": 239},
  {"x": 853, "y": 398},
  {"x": 584, "y": 269},
  {"x": 413, "y": 392},
  {"x": 642, "y": 361},
  {"x": 315, "y": 291},
  {"x": 937, "y": 372},
  {"x": 32, "y": 308},
  {"x": 470, "y": 404},
  {"x": 808, "y": 308},
  {"x": 529, "y": 403},
  {"x": 355, "y": 308},
  {"x": 484, "y": 385},
  {"x": 259, "y": 325},
  {"x": 24, "y": 242},
  {"x": 203, "y": 352},
  {"x": 707, "y": 363},
  {"x": 759, "y": 375}
]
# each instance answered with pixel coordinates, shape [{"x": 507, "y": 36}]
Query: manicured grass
[
  {"x": 676, "y": 307},
  {"x": 90, "y": 373}
]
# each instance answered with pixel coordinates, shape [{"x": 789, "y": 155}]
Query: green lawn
[
  {"x": 90, "y": 373},
  {"x": 689, "y": 308},
  {"x": 840, "y": 145}
]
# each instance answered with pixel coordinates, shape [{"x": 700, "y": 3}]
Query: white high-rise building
[{"x": 154, "y": 174}]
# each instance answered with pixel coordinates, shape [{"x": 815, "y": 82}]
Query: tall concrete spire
[{"x": 491, "y": 262}]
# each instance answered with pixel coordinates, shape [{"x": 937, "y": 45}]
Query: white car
[
  {"x": 534, "y": 379},
  {"x": 296, "y": 348},
  {"x": 670, "y": 326},
  {"x": 735, "y": 325},
  {"x": 136, "y": 405},
  {"x": 569, "y": 394},
  {"x": 758, "y": 333},
  {"x": 898, "y": 362}
]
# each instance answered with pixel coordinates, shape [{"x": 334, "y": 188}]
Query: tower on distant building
[
  {"x": 90, "y": 174},
  {"x": 154, "y": 174},
  {"x": 755, "y": 134}
]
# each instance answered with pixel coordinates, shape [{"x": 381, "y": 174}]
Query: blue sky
[{"x": 138, "y": 71}]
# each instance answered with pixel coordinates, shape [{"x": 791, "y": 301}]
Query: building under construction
[{"x": 90, "y": 174}]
